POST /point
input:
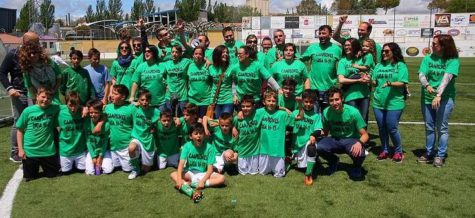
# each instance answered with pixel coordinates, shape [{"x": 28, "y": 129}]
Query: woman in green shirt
[
  {"x": 199, "y": 82},
  {"x": 354, "y": 82},
  {"x": 437, "y": 75},
  {"x": 390, "y": 78},
  {"x": 220, "y": 67},
  {"x": 122, "y": 68}
]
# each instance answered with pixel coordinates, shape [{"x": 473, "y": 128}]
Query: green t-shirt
[
  {"x": 123, "y": 75},
  {"x": 96, "y": 143},
  {"x": 434, "y": 67},
  {"x": 45, "y": 76},
  {"x": 378, "y": 50},
  {"x": 225, "y": 95},
  {"x": 289, "y": 103},
  {"x": 120, "y": 120},
  {"x": 177, "y": 79},
  {"x": 221, "y": 141},
  {"x": 233, "y": 50},
  {"x": 295, "y": 70},
  {"x": 355, "y": 90},
  {"x": 167, "y": 140},
  {"x": 304, "y": 128},
  {"x": 72, "y": 140},
  {"x": 273, "y": 128},
  {"x": 198, "y": 158},
  {"x": 323, "y": 71},
  {"x": 38, "y": 125},
  {"x": 249, "y": 129},
  {"x": 151, "y": 77},
  {"x": 248, "y": 79},
  {"x": 78, "y": 80},
  {"x": 165, "y": 53},
  {"x": 343, "y": 124},
  {"x": 144, "y": 123},
  {"x": 261, "y": 58},
  {"x": 274, "y": 53},
  {"x": 368, "y": 61},
  {"x": 184, "y": 130},
  {"x": 389, "y": 98},
  {"x": 199, "y": 84}
]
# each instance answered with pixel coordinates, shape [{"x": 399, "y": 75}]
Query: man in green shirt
[
  {"x": 346, "y": 128},
  {"x": 232, "y": 45},
  {"x": 324, "y": 57}
]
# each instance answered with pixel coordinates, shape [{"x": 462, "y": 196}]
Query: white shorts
[
  {"x": 121, "y": 158},
  {"x": 268, "y": 164},
  {"x": 248, "y": 165},
  {"x": 219, "y": 162},
  {"x": 107, "y": 166},
  {"x": 171, "y": 161},
  {"x": 301, "y": 157},
  {"x": 196, "y": 176},
  {"x": 147, "y": 157},
  {"x": 67, "y": 163}
]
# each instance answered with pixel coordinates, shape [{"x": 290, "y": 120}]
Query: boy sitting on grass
[
  {"x": 35, "y": 137},
  {"x": 195, "y": 169},
  {"x": 222, "y": 139}
]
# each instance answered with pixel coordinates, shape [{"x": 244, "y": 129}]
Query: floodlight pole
[
  {"x": 394, "y": 23},
  {"x": 430, "y": 24}
]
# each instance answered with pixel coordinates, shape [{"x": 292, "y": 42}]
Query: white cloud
[{"x": 410, "y": 7}]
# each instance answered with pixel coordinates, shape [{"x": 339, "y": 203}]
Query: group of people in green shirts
[{"x": 268, "y": 108}]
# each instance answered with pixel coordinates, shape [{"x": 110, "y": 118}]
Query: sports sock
[
  {"x": 195, "y": 184},
  {"x": 185, "y": 188},
  {"x": 310, "y": 165},
  {"x": 135, "y": 162}
]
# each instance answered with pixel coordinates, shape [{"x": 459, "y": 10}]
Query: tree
[
  {"x": 310, "y": 7},
  {"x": 457, "y": 6},
  {"x": 115, "y": 10},
  {"x": 222, "y": 12},
  {"x": 47, "y": 14},
  {"x": 126, "y": 17},
  {"x": 23, "y": 22},
  {"x": 149, "y": 7},
  {"x": 342, "y": 6},
  {"x": 367, "y": 6},
  {"x": 101, "y": 10},
  {"x": 137, "y": 10},
  {"x": 90, "y": 16},
  {"x": 387, "y": 4},
  {"x": 189, "y": 10},
  {"x": 246, "y": 11},
  {"x": 438, "y": 5}
]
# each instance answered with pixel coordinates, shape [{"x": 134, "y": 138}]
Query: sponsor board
[{"x": 442, "y": 20}]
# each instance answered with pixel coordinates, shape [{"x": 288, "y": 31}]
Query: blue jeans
[
  {"x": 178, "y": 109},
  {"x": 18, "y": 105},
  {"x": 388, "y": 121},
  {"x": 437, "y": 119},
  {"x": 327, "y": 148},
  {"x": 220, "y": 108},
  {"x": 362, "y": 104},
  {"x": 321, "y": 102}
]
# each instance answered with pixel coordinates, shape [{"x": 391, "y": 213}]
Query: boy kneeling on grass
[
  {"x": 195, "y": 169},
  {"x": 35, "y": 137}
]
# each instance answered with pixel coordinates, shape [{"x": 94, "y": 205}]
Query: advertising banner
[{"x": 442, "y": 20}]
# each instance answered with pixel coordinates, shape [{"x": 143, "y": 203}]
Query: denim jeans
[
  {"x": 388, "y": 121},
  {"x": 362, "y": 104},
  {"x": 220, "y": 108},
  {"x": 178, "y": 109},
  {"x": 328, "y": 146},
  {"x": 437, "y": 119},
  {"x": 322, "y": 101},
  {"x": 18, "y": 105}
]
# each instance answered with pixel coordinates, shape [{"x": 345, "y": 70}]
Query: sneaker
[
  {"x": 356, "y": 173},
  {"x": 398, "y": 157},
  {"x": 308, "y": 180},
  {"x": 438, "y": 162},
  {"x": 197, "y": 196},
  {"x": 15, "y": 158},
  {"x": 382, "y": 156},
  {"x": 133, "y": 175},
  {"x": 425, "y": 159}
]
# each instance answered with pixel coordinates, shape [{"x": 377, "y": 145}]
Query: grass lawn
[{"x": 397, "y": 190}]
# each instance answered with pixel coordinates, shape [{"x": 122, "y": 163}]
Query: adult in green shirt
[
  {"x": 122, "y": 68},
  {"x": 354, "y": 83},
  {"x": 232, "y": 45},
  {"x": 150, "y": 75},
  {"x": 346, "y": 128},
  {"x": 390, "y": 77},
  {"x": 176, "y": 70},
  {"x": 437, "y": 75},
  {"x": 251, "y": 41},
  {"x": 221, "y": 70},
  {"x": 266, "y": 44},
  {"x": 291, "y": 68},
  {"x": 199, "y": 82},
  {"x": 324, "y": 57},
  {"x": 364, "y": 31}
]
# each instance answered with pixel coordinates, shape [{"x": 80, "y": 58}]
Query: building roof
[
  {"x": 9, "y": 39},
  {"x": 48, "y": 38}
]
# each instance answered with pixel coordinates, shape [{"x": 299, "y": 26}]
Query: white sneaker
[{"x": 133, "y": 175}]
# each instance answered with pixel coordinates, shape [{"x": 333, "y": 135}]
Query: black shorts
[{"x": 50, "y": 165}]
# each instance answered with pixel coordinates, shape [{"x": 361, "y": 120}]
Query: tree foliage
[
  {"x": 101, "y": 10},
  {"x": 458, "y": 6},
  {"x": 114, "y": 11},
  {"x": 47, "y": 14},
  {"x": 23, "y": 22},
  {"x": 90, "y": 16},
  {"x": 387, "y": 4},
  {"x": 224, "y": 13},
  {"x": 149, "y": 7},
  {"x": 354, "y": 6},
  {"x": 311, "y": 7},
  {"x": 137, "y": 10},
  {"x": 189, "y": 10}
]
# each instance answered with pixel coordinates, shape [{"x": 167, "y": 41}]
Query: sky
[{"x": 77, "y": 8}]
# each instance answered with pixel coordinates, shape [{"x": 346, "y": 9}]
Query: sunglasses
[
  {"x": 252, "y": 41},
  {"x": 386, "y": 51},
  {"x": 124, "y": 47},
  {"x": 148, "y": 51},
  {"x": 228, "y": 36}
]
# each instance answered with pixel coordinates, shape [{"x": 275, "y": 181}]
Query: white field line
[
  {"x": 422, "y": 123},
  {"x": 6, "y": 202},
  {"x": 456, "y": 84}
]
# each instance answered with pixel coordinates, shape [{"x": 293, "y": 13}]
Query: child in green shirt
[
  {"x": 190, "y": 117},
  {"x": 142, "y": 144},
  {"x": 167, "y": 141},
  {"x": 35, "y": 137},
  {"x": 287, "y": 98},
  {"x": 72, "y": 140},
  {"x": 272, "y": 146},
  {"x": 76, "y": 78},
  {"x": 199, "y": 156},
  {"x": 222, "y": 139},
  {"x": 98, "y": 157}
]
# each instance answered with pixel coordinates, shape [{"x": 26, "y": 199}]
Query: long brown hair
[
  {"x": 25, "y": 55},
  {"x": 447, "y": 45},
  {"x": 372, "y": 50}
]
